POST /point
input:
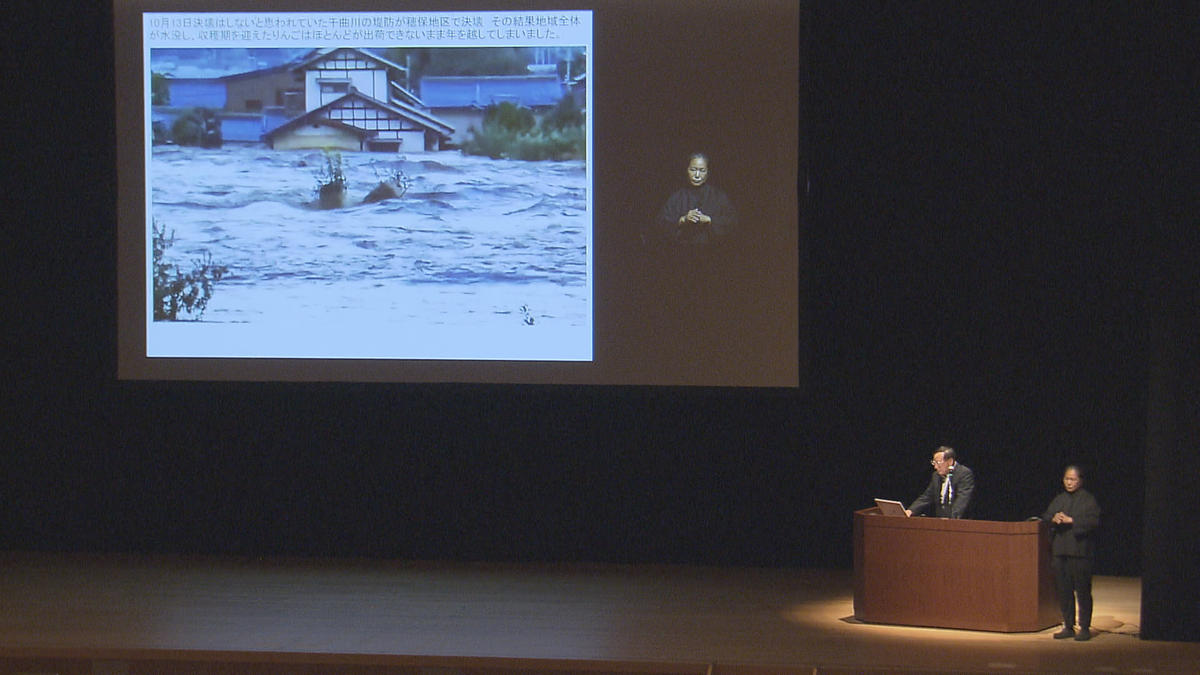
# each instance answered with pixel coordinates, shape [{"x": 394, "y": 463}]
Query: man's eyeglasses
[{"x": 937, "y": 462}]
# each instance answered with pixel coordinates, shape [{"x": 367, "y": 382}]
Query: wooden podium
[{"x": 974, "y": 574}]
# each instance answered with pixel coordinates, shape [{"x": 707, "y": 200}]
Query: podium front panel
[{"x": 973, "y": 574}]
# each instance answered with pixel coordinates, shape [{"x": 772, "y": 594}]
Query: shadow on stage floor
[{"x": 129, "y": 615}]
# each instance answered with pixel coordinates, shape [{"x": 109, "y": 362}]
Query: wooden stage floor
[{"x": 113, "y": 615}]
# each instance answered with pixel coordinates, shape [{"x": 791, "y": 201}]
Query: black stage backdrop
[{"x": 984, "y": 178}]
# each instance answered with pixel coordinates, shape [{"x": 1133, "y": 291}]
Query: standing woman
[
  {"x": 1074, "y": 515},
  {"x": 697, "y": 213}
]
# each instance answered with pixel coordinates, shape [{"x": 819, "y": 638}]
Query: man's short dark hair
[{"x": 947, "y": 453}]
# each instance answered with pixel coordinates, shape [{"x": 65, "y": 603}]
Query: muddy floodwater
[{"x": 480, "y": 258}]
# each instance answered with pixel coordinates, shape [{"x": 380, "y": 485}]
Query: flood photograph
[{"x": 369, "y": 202}]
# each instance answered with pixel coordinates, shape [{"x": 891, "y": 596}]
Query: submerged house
[
  {"x": 355, "y": 121},
  {"x": 461, "y": 100},
  {"x": 345, "y": 98}
]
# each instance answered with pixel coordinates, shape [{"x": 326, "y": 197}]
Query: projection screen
[{"x": 594, "y": 194}]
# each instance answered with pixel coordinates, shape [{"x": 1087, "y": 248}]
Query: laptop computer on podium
[{"x": 889, "y": 507}]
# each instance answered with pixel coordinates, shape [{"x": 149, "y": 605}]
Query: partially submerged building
[
  {"x": 463, "y": 100},
  {"x": 343, "y": 98}
]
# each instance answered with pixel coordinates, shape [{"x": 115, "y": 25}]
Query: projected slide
[
  {"x": 381, "y": 185},
  {"x": 607, "y": 194}
]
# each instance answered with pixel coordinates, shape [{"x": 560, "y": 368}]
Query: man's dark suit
[{"x": 962, "y": 484}]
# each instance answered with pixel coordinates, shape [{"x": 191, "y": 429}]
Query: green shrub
[
  {"x": 176, "y": 292},
  {"x": 494, "y": 141},
  {"x": 564, "y": 115},
  {"x": 560, "y": 135},
  {"x": 198, "y": 127},
  {"x": 555, "y": 145},
  {"x": 509, "y": 116},
  {"x": 160, "y": 89}
]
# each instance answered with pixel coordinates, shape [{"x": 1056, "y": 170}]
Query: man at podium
[{"x": 950, "y": 487}]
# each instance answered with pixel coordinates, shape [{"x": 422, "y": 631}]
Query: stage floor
[{"x": 111, "y": 615}]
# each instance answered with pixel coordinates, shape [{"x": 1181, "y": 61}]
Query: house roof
[
  {"x": 419, "y": 115},
  {"x": 479, "y": 91},
  {"x": 323, "y": 54},
  {"x": 323, "y": 122},
  {"x": 319, "y": 116},
  {"x": 250, "y": 74},
  {"x": 404, "y": 95}
]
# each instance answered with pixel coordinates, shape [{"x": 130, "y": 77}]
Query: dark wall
[
  {"x": 976, "y": 271},
  {"x": 976, "y": 248},
  {"x": 1170, "y": 584}
]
